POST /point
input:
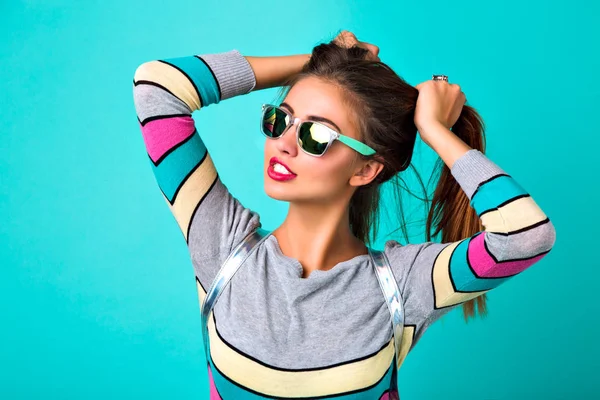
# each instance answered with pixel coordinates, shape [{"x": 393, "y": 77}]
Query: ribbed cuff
[
  {"x": 473, "y": 168},
  {"x": 233, "y": 72}
]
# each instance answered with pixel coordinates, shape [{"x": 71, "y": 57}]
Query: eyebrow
[{"x": 313, "y": 117}]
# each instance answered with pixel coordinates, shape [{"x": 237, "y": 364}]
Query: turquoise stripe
[
  {"x": 496, "y": 192},
  {"x": 463, "y": 277},
  {"x": 171, "y": 172},
  {"x": 200, "y": 74},
  {"x": 229, "y": 390}
]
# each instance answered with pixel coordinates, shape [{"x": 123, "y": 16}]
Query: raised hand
[{"x": 348, "y": 39}]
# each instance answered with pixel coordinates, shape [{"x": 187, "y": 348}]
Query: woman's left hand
[
  {"x": 348, "y": 39},
  {"x": 439, "y": 102}
]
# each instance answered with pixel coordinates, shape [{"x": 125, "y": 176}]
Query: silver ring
[{"x": 440, "y": 77}]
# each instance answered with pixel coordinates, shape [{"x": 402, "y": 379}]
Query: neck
[{"x": 318, "y": 236}]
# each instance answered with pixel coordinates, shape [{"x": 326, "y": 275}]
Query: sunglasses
[{"x": 313, "y": 137}]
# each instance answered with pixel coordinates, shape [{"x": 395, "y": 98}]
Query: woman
[{"x": 304, "y": 316}]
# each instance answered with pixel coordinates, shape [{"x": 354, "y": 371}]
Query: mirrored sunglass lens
[
  {"x": 274, "y": 121},
  {"x": 313, "y": 137}
]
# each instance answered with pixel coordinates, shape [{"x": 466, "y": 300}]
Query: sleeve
[
  {"x": 437, "y": 277},
  {"x": 166, "y": 92}
]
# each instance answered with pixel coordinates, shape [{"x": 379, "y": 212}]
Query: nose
[{"x": 287, "y": 142}]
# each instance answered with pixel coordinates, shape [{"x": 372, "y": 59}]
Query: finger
[
  {"x": 349, "y": 36},
  {"x": 373, "y": 48}
]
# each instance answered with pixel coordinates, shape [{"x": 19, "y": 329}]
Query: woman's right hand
[{"x": 348, "y": 39}]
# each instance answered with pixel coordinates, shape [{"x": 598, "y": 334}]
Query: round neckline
[{"x": 317, "y": 272}]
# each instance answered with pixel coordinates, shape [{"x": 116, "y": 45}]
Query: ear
[{"x": 365, "y": 174}]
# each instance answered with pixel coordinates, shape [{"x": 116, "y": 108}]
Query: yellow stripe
[
  {"x": 513, "y": 216},
  {"x": 444, "y": 293},
  {"x": 191, "y": 192},
  {"x": 201, "y": 293},
  {"x": 407, "y": 338},
  {"x": 272, "y": 382},
  {"x": 170, "y": 78}
]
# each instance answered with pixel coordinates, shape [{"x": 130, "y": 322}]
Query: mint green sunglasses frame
[{"x": 354, "y": 144}]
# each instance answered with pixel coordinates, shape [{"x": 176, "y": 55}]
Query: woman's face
[{"x": 320, "y": 179}]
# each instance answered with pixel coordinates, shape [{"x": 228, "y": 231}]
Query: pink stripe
[
  {"x": 214, "y": 395},
  {"x": 485, "y": 267},
  {"x": 161, "y": 135},
  {"x": 385, "y": 396}
]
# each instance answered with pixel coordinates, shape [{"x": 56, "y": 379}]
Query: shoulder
[{"x": 413, "y": 259}]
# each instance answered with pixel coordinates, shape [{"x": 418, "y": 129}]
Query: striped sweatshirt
[{"x": 273, "y": 333}]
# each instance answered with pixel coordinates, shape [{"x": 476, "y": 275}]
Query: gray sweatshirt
[{"x": 274, "y": 334}]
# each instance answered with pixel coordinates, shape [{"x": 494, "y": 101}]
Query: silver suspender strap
[
  {"x": 389, "y": 287},
  {"x": 227, "y": 270}
]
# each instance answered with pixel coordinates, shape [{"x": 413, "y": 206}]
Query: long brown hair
[{"x": 384, "y": 105}]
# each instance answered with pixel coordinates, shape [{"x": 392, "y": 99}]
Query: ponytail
[{"x": 451, "y": 212}]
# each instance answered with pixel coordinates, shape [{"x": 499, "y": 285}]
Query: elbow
[
  {"x": 548, "y": 235},
  {"x": 530, "y": 244},
  {"x": 141, "y": 72},
  {"x": 142, "y": 94},
  {"x": 541, "y": 241}
]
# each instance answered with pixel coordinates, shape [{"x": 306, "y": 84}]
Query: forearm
[
  {"x": 444, "y": 142},
  {"x": 273, "y": 71}
]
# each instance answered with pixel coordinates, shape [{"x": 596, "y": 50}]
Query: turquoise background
[{"x": 97, "y": 292}]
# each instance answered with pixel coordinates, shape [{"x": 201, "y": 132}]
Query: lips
[
  {"x": 279, "y": 176},
  {"x": 275, "y": 160}
]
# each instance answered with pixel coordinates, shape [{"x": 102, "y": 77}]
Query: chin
[{"x": 278, "y": 193}]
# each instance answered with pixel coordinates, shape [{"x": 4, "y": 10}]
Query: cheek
[{"x": 329, "y": 173}]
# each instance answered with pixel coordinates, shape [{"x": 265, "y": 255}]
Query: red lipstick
[{"x": 283, "y": 173}]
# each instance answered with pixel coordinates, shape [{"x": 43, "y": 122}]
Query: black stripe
[
  {"x": 542, "y": 222},
  {"x": 214, "y": 76},
  {"x": 489, "y": 278},
  {"x": 432, "y": 271},
  {"x": 172, "y": 149},
  {"x": 157, "y": 117},
  {"x": 450, "y": 263},
  {"x": 487, "y": 249},
  {"x": 486, "y": 181},
  {"x": 187, "y": 76},
  {"x": 504, "y": 261},
  {"x": 435, "y": 308},
  {"x": 184, "y": 180},
  {"x": 336, "y": 395},
  {"x": 521, "y": 230},
  {"x": 299, "y": 369},
  {"x": 158, "y": 85},
  {"x": 498, "y": 262},
  {"x": 521, "y": 196},
  {"x": 201, "y": 285}
]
